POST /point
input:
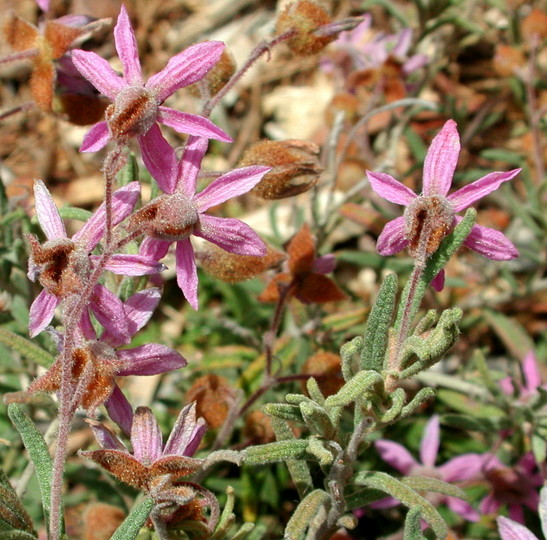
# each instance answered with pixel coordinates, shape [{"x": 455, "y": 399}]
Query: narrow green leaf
[
  {"x": 275, "y": 452},
  {"x": 354, "y": 388},
  {"x": 26, "y": 348},
  {"x": 314, "y": 391},
  {"x": 17, "y": 535},
  {"x": 426, "y": 483},
  {"x": 38, "y": 452},
  {"x": 79, "y": 214},
  {"x": 509, "y": 330},
  {"x": 316, "y": 449},
  {"x": 132, "y": 524},
  {"x": 482, "y": 425},
  {"x": 350, "y": 353},
  {"x": 397, "y": 399},
  {"x": 417, "y": 401},
  {"x": 413, "y": 522},
  {"x": 378, "y": 323},
  {"x": 227, "y": 516},
  {"x": 304, "y": 514},
  {"x": 317, "y": 420},
  {"x": 283, "y": 410},
  {"x": 12, "y": 511},
  {"x": 130, "y": 171},
  {"x": 386, "y": 483},
  {"x": 243, "y": 531}
]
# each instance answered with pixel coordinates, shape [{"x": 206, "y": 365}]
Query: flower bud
[
  {"x": 295, "y": 167},
  {"x": 303, "y": 17},
  {"x": 217, "y": 76},
  {"x": 258, "y": 428},
  {"x": 326, "y": 368},
  {"x": 213, "y": 396},
  {"x": 233, "y": 268}
]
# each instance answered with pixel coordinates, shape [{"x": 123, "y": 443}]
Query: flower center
[
  {"x": 169, "y": 217},
  {"x": 133, "y": 112},
  {"x": 427, "y": 221}
]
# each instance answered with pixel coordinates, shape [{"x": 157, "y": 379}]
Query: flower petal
[
  {"x": 438, "y": 281},
  {"x": 467, "y": 195},
  {"x": 123, "y": 201},
  {"x": 186, "y": 433},
  {"x": 149, "y": 359},
  {"x": 441, "y": 160},
  {"x": 159, "y": 158},
  {"x": 140, "y": 306},
  {"x": 98, "y": 72},
  {"x": 190, "y": 164},
  {"x": 324, "y": 264},
  {"x": 464, "y": 467},
  {"x": 511, "y": 530},
  {"x": 192, "y": 124},
  {"x": 392, "y": 239},
  {"x": 96, "y": 138},
  {"x": 128, "y": 50},
  {"x": 41, "y": 312},
  {"x": 462, "y": 508},
  {"x": 108, "y": 309},
  {"x": 530, "y": 370},
  {"x": 187, "y": 275},
  {"x": 47, "y": 213},
  {"x": 154, "y": 249},
  {"x": 120, "y": 410},
  {"x": 104, "y": 436},
  {"x": 396, "y": 455},
  {"x": 231, "y": 234},
  {"x": 145, "y": 436},
  {"x": 185, "y": 68},
  {"x": 490, "y": 243},
  {"x": 390, "y": 189},
  {"x": 131, "y": 265},
  {"x": 429, "y": 447},
  {"x": 229, "y": 185}
]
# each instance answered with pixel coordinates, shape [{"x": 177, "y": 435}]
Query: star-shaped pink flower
[
  {"x": 181, "y": 212},
  {"x": 137, "y": 106},
  {"x": 439, "y": 166}
]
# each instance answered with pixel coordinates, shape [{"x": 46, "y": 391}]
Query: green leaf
[
  {"x": 132, "y": 524},
  {"x": 386, "y": 483},
  {"x": 417, "y": 401},
  {"x": 470, "y": 423},
  {"x": 26, "y": 348},
  {"x": 350, "y": 353},
  {"x": 79, "y": 214},
  {"x": 509, "y": 330},
  {"x": 12, "y": 511},
  {"x": 130, "y": 172},
  {"x": 317, "y": 420},
  {"x": 38, "y": 452},
  {"x": 304, "y": 514},
  {"x": 376, "y": 332},
  {"x": 275, "y": 452},
  {"x": 17, "y": 535},
  {"x": 413, "y": 525},
  {"x": 426, "y": 483},
  {"x": 284, "y": 411},
  {"x": 354, "y": 388},
  {"x": 316, "y": 449}
]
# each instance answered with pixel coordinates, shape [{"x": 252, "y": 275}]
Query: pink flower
[
  {"x": 137, "y": 106},
  {"x": 513, "y": 487},
  {"x": 63, "y": 265},
  {"x": 532, "y": 380},
  {"x": 511, "y": 530},
  {"x": 435, "y": 206},
  {"x": 181, "y": 212},
  {"x": 459, "y": 469}
]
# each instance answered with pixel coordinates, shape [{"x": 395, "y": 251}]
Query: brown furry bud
[
  {"x": 303, "y": 17},
  {"x": 217, "y": 76},
  {"x": 296, "y": 167},
  {"x": 258, "y": 428},
  {"x": 213, "y": 396},
  {"x": 233, "y": 268},
  {"x": 326, "y": 368},
  {"x": 507, "y": 60},
  {"x": 348, "y": 103}
]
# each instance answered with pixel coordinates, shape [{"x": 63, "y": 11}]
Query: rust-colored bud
[
  {"x": 346, "y": 103},
  {"x": 326, "y": 367},
  {"x": 535, "y": 24},
  {"x": 295, "y": 163},
  {"x": 233, "y": 268},
  {"x": 507, "y": 60},
  {"x": 81, "y": 110},
  {"x": 303, "y": 17},
  {"x": 100, "y": 520},
  {"x": 258, "y": 428},
  {"x": 213, "y": 396},
  {"x": 217, "y": 76}
]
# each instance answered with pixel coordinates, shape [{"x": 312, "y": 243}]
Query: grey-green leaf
[
  {"x": 26, "y": 348},
  {"x": 304, "y": 514},
  {"x": 132, "y": 524},
  {"x": 354, "y": 388},
  {"x": 275, "y": 452}
]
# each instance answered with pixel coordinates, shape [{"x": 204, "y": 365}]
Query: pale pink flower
[
  {"x": 439, "y": 166},
  {"x": 532, "y": 380},
  {"x": 137, "y": 105}
]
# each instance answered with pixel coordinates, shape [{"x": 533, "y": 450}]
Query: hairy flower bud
[
  {"x": 304, "y": 17},
  {"x": 217, "y": 76},
  {"x": 258, "y": 428},
  {"x": 326, "y": 368},
  {"x": 295, "y": 167},
  {"x": 213, "y": 396}
]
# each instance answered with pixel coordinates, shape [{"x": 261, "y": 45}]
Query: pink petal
[
  {"x": 86, "y": 326},
  {"x": 191, "y": 123},
  {"x": 190, "y": 164},
  {"x": 324, "y": 264},
  {"x": 185, "y": 68},
  {"x": 149, "y": 359},
  {"x": 392, "y": 239},
  {"x": 506, "y": 385},
  {"x": 464, "y": 467},
  {"x": 128, "y": 50},
  {"x": 462, "y": 508},
  {"x": 108, "y": 309},
  {"x": 404, "y": 40},
  {"x": 96, "y": 138},
  {"x": 429, "y": 447},
  {"x": 159, "y": 158},
  {"x": 489, "y": 505},
  {"x": 231, "y": 234},
  {"x": 229, "y": 185},
  {"x": 131, "y": 265},
  {"x": 145, "y": 436},
  {"x": 105, "y": 437},
  {"x": 140, "y": 306},
  {"x": 390, "y": 189},
  {"x": 120, "y": 410},
  {"x": 186, "y": 433},
  {"x": 187, "y": 276},
  {"x": 123, "y": 201},
  {"x": 396, "y": 455},
  {"x": 511, "y": 530},
  {"x": 438, "y": 281},
  {"x": 441, "y": 160},
  {"x": 490, "y": 243},
  {"x": 154, "y": 249},
  {"x": 43, "y": 4},
  {"x": 47, "y": 213},
  {"x": 41, "y": 312},
  {"x": 516, "y": 512},
  {"x": 530, "y": 370},
  {"x": 98, "y": 72},
  {"x": 467, "y": 195}
]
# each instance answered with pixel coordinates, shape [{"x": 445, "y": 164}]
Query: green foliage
[{"x": 132, "y": 524}]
